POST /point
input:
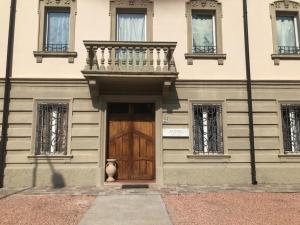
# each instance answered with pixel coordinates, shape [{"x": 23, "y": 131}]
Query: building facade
[{"x": 158, "y": 85}]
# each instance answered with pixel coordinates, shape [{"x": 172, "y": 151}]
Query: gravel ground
[
  {"x": 234, "y": 209},
  {"x": 43, "y": 209}
]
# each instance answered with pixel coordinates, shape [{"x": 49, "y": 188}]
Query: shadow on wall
[
  {"x": 57, "y": 179},
  {"x": 171, "y": 101}
]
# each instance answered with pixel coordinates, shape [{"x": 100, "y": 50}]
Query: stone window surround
[
  {"x": 225, "y": 157},
  {"x": 131, "y": 6},
  {"x": 288, "y": 7},
  {"x": 56, "y": 4},
  {"x": 53, "y": 157},
  {"x": 205, "y": 6}
]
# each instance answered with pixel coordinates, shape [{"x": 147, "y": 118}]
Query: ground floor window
[
  {"x": 207, "y": 129},
  {"x": 52, "y": 128},
  {"x": 291, "y": 128}
]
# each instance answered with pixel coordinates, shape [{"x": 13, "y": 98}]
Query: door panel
[
  {"x": 119, "y": 136},
  {"x": 131, "y": 141}
]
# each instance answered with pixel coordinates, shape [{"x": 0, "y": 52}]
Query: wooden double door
[{"x": 131, "y": 140}]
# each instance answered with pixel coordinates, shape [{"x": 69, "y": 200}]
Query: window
[
  {"x": 287, "y": 34},
  {"x": 207, "y": 129},
  {"x": 285, "y": 26},
  {"x": 291, "y": 128},
  {"x": 57, "y": 37},
  {"x": 56, "y": 30},
  {"x": 131, "y": 20},
  {"x": 204, "y": 33},
  {"x": 131, "y": 27},
  {"x": 52, "y": 129},
  {"x": 204, "y": 20}
]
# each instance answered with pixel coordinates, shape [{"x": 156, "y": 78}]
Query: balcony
[{"x": 141, "y": 61}]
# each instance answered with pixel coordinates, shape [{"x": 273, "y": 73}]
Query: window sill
[
  {"x": 278, "y": 57},
  {"x": 39, "y": 55},
  {"x": 211, "y": 157},
  {"x": 191, "y": 56},
  {"x": 294, "y": 155},
  {"x": 50, "y": 157}
]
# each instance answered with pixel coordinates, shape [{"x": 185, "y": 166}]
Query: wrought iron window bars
[
  {"x": 52, "y": 129},
  {"x": 289, "y": 50},
  {"x": 291, "y": 128},
  {"x": 205, "y": 49},
  {"x": 207, "y": 129},
  {"x": 56, "y": 47}
]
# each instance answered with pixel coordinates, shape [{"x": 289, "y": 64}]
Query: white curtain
[
  {"x": 286, "y": 31},
  {"x": 203, "y": 30},
  {"x": 131, "y": 27},
  {"x": 58, "y": 29}
]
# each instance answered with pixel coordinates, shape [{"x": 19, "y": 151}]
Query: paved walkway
[{"x": 127, "y": 210}]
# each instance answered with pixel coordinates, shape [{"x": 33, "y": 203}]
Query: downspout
[
  {"x": 7, "y": 88},
  {"x": 249, "y": 93}
]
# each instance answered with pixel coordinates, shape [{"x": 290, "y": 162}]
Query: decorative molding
[
  {"x": 286, "y": 4},
  {"x": 57, "y": 3},
  {"x": 131, "y": 3},
  {"x": 204, "y": 4}
]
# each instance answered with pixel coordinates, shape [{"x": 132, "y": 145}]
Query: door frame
[{"x": 157, "y": 100}]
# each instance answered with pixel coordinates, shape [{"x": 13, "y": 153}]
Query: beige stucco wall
[
  {"x": 261, "y": 46},
  {"x": 4, "y": 18},
  {"x": 169, "y": 25},
  {"x": 93, "y": 23}
]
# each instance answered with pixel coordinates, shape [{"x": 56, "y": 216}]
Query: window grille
[
  {"x": 207, "y": 129},
  {"x": 291, "y": 128},
  {"x": 52, "y": 129}
]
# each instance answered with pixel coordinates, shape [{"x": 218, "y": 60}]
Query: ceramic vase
[{"x": 110, "y": 169}]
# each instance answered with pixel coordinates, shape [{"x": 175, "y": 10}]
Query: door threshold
[{"x": 132, "y": 184}]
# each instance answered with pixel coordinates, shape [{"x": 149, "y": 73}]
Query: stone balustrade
[{"x": 123, "y": 57}]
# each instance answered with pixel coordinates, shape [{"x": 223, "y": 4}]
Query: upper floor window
[
  {"x": 131, "y": 20},
  {"x": 207, "y": 129},
  {"x": 131, "y": 27},
  {"x": 204, "y": 20},
  {"x": 57, "y": 37},
  {"x": 52, "y": 128},
  {"x": 56, "y": 29},
  {"x": 204, "y": 33},
  {"x": 287, "y": 34},
  {"x": 285, "y": 15},
  {"x": 291, "y": 128}
]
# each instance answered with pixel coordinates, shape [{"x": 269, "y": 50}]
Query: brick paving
[
  {"x": 239, "y": 208},
  {"x": 19, "y": 209}
]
